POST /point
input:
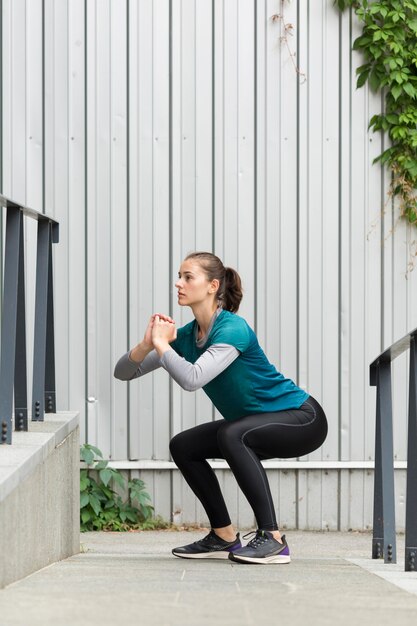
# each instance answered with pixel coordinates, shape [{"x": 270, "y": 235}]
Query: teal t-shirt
[{"x": 251, "y": 384}]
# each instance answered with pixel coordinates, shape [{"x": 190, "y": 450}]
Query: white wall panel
[
  {"x": 153, "y": 128},
  {"x": 283, "y": 108},
  {"x": 57, "y": 183},
  {"x": 75, "y": 281},
  {"x": 141, "y": 144},
  {"x": 149, "y": 214},
  {"x": 191, "y": 167}
]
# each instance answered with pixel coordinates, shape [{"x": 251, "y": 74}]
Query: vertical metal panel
[
  {"x": 191, "y": 167},
  {"x": 15, "y": 100},
  {"x": 106, "y": 225},
  {"x": 345, "y": 113},
  {"x": 319, "y": 263},
  {"x": 283, "y": 108},
  {"x": 141, "y": 143},
  {"x": 76, "y": 260},
  {"x": 34, "y": 104},
  {"x": 98, "y": 194},
  {"x": 57, "y": 185},
  {"x": 356, "y": 244},
  {"x": 64, "y": 158},
  {"x": 162, "y": 282},
  {"x": 150, "y": 279},
  {"x": 118, "y": 222}
]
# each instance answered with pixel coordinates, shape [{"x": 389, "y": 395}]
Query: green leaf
[
  {"x": 409, "y": 89},
  {"x": 132, "y": 516},
  {"x": 374, "y": 81},
  {"x": 106, "y": 476},
  {"x": 84, "y": 483},
  {"x": 100, "y": 465},
  {"x": 396, "y": 91},
  {"x": 95, "y": 504},
  {"x": 87, "y": 456},
  {"x": 392, "y": 119},
  {"x": 361, "y": 42},
  {"x": 362, "y": 79},
  {"x": 84, "y": 500},
  {"x": 118, "y": 478},
  {"x": 85, "y": 516},
  {"x": 95, "y": 450}
]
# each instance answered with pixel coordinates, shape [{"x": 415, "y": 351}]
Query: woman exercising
[{"x": 265, "y": 415}]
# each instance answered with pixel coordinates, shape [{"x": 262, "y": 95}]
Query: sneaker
[
  {"x": 210, "y": 547},
  {"x": 263, "y": 548}
]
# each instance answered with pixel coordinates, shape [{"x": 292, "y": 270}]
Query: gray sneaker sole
[
  {"x": 276, "y": 559},
  {"x": 221, "y": 554}
]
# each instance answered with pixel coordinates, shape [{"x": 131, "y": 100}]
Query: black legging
[{"x": 244, "y": 443}]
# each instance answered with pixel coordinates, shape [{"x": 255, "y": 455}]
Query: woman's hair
[{"x": 230, "y": 292}]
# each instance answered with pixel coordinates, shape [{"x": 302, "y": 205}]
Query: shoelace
[{"x": 258, "y": 539}]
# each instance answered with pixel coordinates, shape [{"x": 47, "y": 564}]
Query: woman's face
[{"x": 193, "y": 285}]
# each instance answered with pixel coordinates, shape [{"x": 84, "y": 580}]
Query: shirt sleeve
[
  {"x": 235, "y": 332},
  {"x": 210, "y": 364},
  {"x": 126, "y": 369}
]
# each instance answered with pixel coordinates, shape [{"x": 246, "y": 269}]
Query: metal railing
[
  {"x": 13, "y": 362},
  {"x": 384, "y": 539}
]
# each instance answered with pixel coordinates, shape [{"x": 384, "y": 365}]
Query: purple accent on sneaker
[
  {"x": 286, "y": 551},
  {"x": 236, "y": 547}
]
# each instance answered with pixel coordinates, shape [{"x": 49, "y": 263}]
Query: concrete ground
[{"x": 130, "y": 579}]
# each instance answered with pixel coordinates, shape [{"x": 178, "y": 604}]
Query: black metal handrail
[
  {"x": 384, "y": 539},
  {"x": 13, "y": 371}
]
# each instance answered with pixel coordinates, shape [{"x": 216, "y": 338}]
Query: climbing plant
[{"x": 388, "y": 44}]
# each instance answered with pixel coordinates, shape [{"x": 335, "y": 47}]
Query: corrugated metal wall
[{"x": 150, "y": 128}]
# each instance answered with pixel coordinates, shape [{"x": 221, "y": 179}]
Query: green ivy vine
[{"x": 388, "y": 44}]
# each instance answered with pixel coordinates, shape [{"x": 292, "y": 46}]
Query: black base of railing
[
  {"x": 410, "y": 559},
  {"x": 21, "y": 419},
  {"x": 50, "y": 402},
  {"x": 379, "y": 551}
]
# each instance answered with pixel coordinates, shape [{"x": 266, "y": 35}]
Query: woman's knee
[{"x": 178, "y": 445}]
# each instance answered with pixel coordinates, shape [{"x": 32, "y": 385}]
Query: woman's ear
[{"x": 214, "y": 285}]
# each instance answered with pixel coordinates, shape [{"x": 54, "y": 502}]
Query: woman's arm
[
  {"x": 188, "y": 375},
  {"x": 127, "y": 369},
  {"x": 141, "y": 359},
  {"x": 194, "y": 376}
]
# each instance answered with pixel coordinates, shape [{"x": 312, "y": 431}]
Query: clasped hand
[{"x": 161, "y": 330}]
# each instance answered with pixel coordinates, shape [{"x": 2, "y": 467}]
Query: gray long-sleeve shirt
[{"x": 190, "y": 376}]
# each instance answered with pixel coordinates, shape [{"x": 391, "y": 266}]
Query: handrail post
[
  {"x": 384, "y": 540},
  {"x": 41, "y": 315},
  {"x": 50, "y": 392},
  {"x": 411, "y": 498},
  {"x": 20, "y": 371},
  {"x": 9, "y": 322}
]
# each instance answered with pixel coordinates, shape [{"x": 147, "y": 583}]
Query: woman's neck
[{"x": 204, "y": 316}]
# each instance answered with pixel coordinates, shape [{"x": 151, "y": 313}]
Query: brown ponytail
[{"x": 230, "y": 292}]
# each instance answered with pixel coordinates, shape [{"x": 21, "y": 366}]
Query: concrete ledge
[{"x": 39, "y": 496}]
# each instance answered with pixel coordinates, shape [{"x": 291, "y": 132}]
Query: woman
[{"x": 265, "y": 415}]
